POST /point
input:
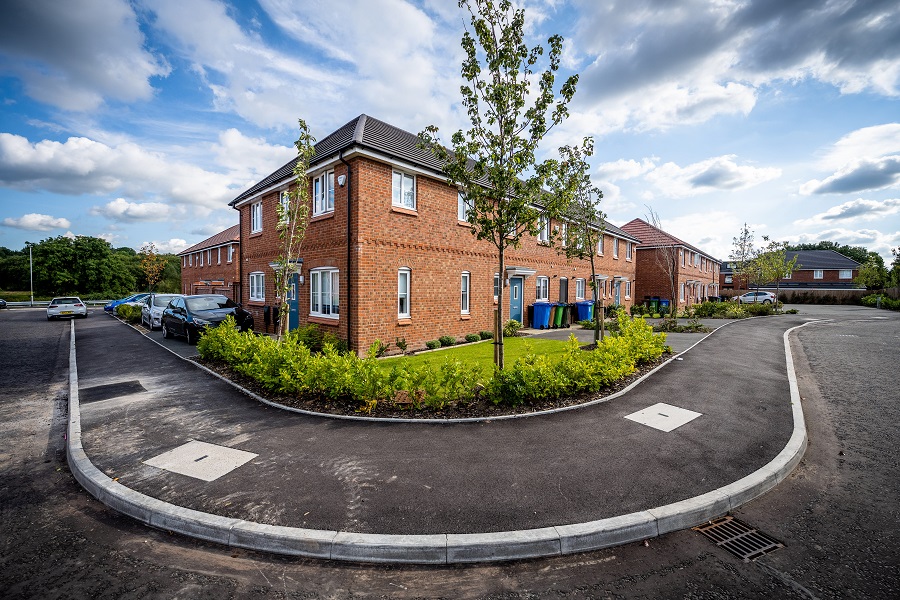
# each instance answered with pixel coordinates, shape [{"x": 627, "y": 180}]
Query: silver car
[
  {"x": 152, "y": 308},
  {"x": 756, "y": 297},
  {"x": 68, "y": 306}
]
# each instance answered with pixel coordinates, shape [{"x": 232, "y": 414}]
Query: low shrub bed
[
  {"x": 332, "y": 379},
  {"x": 887, "y": 302}
]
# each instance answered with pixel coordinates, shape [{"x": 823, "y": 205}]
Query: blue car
[{"x": 135, "y": 298}]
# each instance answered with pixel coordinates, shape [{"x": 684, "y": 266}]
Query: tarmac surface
[{"x": 486, "y": 490}]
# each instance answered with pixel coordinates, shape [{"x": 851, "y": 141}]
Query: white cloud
[
  {"x": 76, "y": 54},
  {"x": 626, "y": 169},
  {"x": 714, "y": 174},
  {"x": 859, "y": 209},
  {"x": 132, "y": 212},
  {"x": 869, "y": 142},
  {"x": 37, "y": 222},
  {"x": 857, "y": 176},
  {"x": 695, "y": 229},
  {"x": 170, "y": 246}
]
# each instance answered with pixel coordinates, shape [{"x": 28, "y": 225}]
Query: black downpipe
[{"x": 349, "y": 250}]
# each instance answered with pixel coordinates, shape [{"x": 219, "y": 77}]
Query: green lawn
[{"x": 482, "y": 353}]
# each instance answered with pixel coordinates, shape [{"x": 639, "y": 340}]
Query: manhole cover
[{"x": 739, "y": 538}]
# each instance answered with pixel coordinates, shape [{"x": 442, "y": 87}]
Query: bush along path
[{"x": 330, "y": 381}]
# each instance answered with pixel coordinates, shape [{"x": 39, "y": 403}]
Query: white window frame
[
  {"x": 230, "y": 252},
  {"x": 219, "y": 255},
  {"x": 564, "y": 234},
  {"x": 580, "y": 289},
  {"x": 542, "y": 292},
  {"x": 697, "y": 260},
  {"x": 256, "y": 224},
  {"x": 543, "y": 230},
  {"x": 788, "y": 276},
  {"x": 615, "y": 247},
  {"x": 683, "y": 258},
  {"x": 681, "y": 293},
  {"x": 285, "y": 199},
  {"x": 257, "y": 286},
  {"x": 190, "y": 260},
  {"x": 463, "y": 207},
  {"x": 845, "y": 274},
  {"x": 600, "y": 245},
  {"x": 404, "y": 285},
  {"x": 818, "y": 274},
  {"x": 464, "y": 292},
  {"x": 496, "y": 286},
  {"x": 209, "y": 256},
  {"x": 200, "y": 259},
  {"x": 323, "y": 193},
  {"x": 324, "y": 293},
  {"x": 628, "y": 289},
  {"x": 628, "y": 250},
  {"x": 403, "y": 196},
  {"x": 183, "y": 261}
]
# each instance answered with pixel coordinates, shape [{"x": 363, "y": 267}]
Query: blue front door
[
  {"x": 515, "y": 299},
  {"x": 293, "y": 305}
]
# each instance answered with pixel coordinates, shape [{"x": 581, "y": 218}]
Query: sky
[{"x": 139, "y": 121}]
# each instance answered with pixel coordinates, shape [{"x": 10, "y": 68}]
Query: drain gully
[{"x": 739, "y": 538}]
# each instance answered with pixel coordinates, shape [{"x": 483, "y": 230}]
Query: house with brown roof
[
  {"x": 815, "y": 270},
  {"x": 663, "y": 259},
  {"x": 212, "y": 266},
  {"x": 389, "y": 255}
]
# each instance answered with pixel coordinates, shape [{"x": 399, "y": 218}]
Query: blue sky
[{"x": 139, "y": 121}]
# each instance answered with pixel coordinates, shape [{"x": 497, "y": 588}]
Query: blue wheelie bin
[
  {"x": 585, "y": 310},
  {"x": 541, "y": 315}
]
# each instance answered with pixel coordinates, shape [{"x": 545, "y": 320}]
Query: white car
[
  {"x": 151, "y": 310},
  {"x": 68, "y": 306},
  {"x": 756, "y": 298}
]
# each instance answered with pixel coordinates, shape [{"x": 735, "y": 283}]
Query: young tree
[
  {"x": 872, "y": 274},
  {"x": 152, "y": 264},
  {"x": 773, "y": 265},
  {"x": 494, "y": 162},
  {"x": 894, "y": 274},
  {"x": 666, "y": 257},
  {"x": 293, "y": 219},
  {"x": 586, "y": 222},
  {"x": 741, "y": 258}
]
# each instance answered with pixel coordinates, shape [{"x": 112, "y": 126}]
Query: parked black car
[{"x": 187, "y": 316}]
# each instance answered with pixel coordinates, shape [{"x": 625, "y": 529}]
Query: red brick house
[
  {"x": 212, "y": 266},
  {"x": 696, "y": 272},
  {"x": 816, "y": 269},
  {"x": 388, "y": 254}
]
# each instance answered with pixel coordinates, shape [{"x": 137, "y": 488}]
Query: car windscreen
[
  {"x": 209, "y": 303},
  {"x": 65, "y": 301},
  {"x": 162, "y": 301}
]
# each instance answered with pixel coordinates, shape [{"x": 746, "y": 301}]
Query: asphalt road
[{"x": 836, "y": 514}]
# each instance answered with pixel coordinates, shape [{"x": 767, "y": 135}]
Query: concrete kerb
[{"x": 434, "y": 548}]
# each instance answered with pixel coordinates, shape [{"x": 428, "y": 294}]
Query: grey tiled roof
[
  {"x": 810, "y": 260},
  {"x": 363, "y": 132}
]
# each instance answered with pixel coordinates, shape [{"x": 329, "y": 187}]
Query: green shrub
[
  {"x": 129, "y": 312},
  {"x": 656, "y": 316},
  {"x": 378, "y": 348},
  {"x": 792, "y": 311},
  {"x": 758, "y": 309},
  {"x": 432, "y": 344},
  {"x": 473, "y": 337},
  {"x": 447, "y": 340},
  {"x": 586, "y": 324},
  {"x": 486, "y": 335},
  {"x": 511, "y": 328},
  {"x": 401, "y": 344}
]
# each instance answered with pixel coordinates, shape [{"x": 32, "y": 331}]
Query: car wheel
[
  {"x": 767, "y": 302},
  {"x": 191, "y": 336},
  {"x": 166, "y": 333}
]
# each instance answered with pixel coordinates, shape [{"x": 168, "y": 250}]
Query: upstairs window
[
  {"x": 219, "y": 255},
  {"x": 285, "y": 200},
  {"x": 230, "y": 252},
  {"x": 845, "y": 274},
  {"x": 404, "y": 190},
  {"x": 628, "y": 251},
  {"x": 324, "y": 293},
  {"x": 463, "y": 207},
  {"x": 544, "y": 231},
  {"x": 615, "y": 247},
  {"x": 323, "y": 194},
  {"x": 600, "y": 244},
  {"x": 256, "y": 217},
  {"x": 818, "y": 274}
]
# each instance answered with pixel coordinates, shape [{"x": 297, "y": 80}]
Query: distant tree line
[{"x": 87, "y": 266}]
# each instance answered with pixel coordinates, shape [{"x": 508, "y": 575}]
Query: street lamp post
[{"x": 31, "y": 275}]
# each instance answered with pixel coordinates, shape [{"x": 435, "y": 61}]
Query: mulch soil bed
[{"x": 478, "y": 408}]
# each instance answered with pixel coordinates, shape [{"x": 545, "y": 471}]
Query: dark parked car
[
  {"x": 2, "y": 303},
  {"x": 187, "y": 316}
]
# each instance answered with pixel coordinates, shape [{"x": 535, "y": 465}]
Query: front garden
[{"x": 456, "y": 382}]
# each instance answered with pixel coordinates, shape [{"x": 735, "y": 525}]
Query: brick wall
[
  {"x": 428, "y": 241},
  {"x": 653, "y": 280},
  {"x": 210, "y": 265}
]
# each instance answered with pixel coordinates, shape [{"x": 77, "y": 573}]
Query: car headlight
[{"x": 201, "y": 322}]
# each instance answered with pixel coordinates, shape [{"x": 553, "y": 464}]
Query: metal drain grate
[{"x": 739, "y": 538}]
